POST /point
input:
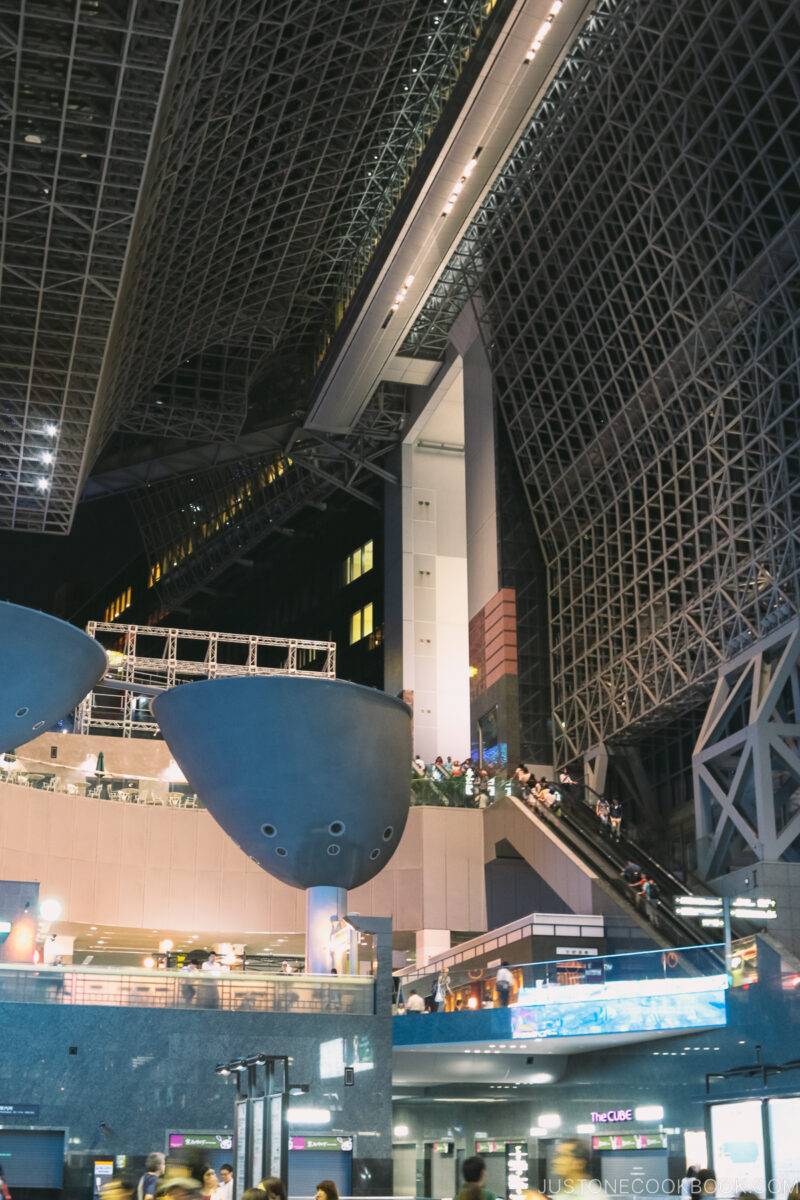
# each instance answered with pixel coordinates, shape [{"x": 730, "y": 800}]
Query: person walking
[
  {"x": 616, "y": 813},
  {"x": 153, "y": 1170},
  {"x": 504, "y": 981},
  {"x": 474, "y": 1173},
  {"x": 210, "y": 1184}
]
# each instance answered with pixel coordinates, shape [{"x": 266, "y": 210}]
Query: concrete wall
[
  {"x": 151, "y": 867},
  {"x": 138, "y": 758}
]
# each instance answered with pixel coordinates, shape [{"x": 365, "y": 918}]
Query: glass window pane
[
  {"x": 367, "y": 623},
  {"x": 367, "y": 557},
  {"x": 355, "y": 627},
  {"x": 357, "y": 568}
]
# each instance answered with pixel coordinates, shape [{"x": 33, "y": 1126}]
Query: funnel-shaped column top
[
  {"x": 309, "y": 776},
  {"x": 46, "y": 667}
]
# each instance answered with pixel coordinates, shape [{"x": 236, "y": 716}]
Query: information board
[
  {"x": 516, "y": 1170},
  {"x": 275, "y": 1131}
]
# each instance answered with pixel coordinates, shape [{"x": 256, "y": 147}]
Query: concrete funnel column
[{"x": 325, "y": 906}]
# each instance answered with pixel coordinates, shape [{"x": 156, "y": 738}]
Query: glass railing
[
  {"x": 460, "y": 792},
  {"x": 231, "y": 992},
  {"x": 476, "y": 987}
]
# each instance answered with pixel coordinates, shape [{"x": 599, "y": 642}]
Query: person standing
[
  {"x": 225, "y": 1191},
  {"x": 504, "y": 981},
  {"x": 4, "y": 1191},
  {"x": 153, "y": 1170},
  {"x": 442, "y": 990},
  {"x": 415, "y": 1003},
  {"x": 326, "y": 1190},
  {"x": 603, "y": 811},
  {"x": 616, "y": 813}
]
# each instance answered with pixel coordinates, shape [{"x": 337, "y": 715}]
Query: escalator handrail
[{"x": 671, "y": 924}]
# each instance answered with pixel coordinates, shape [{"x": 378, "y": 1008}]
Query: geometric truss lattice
[
  {"x": 290, "y": 130},
  {"x": 746, "y": 764},
  {"x": 190, "y": 190},
  {"x": 80, "y": 96},
  {"x": 637, "y": 268}
]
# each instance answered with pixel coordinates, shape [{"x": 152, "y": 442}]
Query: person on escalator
[
  {"x": 603, "y": 811},
  {"x": 615, "y": 816}
]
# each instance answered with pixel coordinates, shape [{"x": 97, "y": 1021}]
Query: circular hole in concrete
[
  {"x": 268, "y": 830},
  {"x": 336, "y": 828},
  {"x": 387, "y": 833},
  {"x": 281, "y": 851},
  {"x": 22, "y": 712},
  {"x": 333, "y": 849},
  {"x": 373, "y": 854}
]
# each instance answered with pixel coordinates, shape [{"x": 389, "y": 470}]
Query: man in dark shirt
[{"x": 153, "y": 1170}]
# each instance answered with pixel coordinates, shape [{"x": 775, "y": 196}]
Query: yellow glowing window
[
  {"x": 366, "y": 620},
  {"x": 355, "y": 627},
  {"x": 358, "y": 563}
]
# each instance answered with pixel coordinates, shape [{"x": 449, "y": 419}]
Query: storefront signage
[
  {"x": 19, "y": 1110},
  {"x": 630, "y": 1141},
  {"x": 321, "y": 1143},
  {"x": 490, "y": 1147},
  {"x": 516, "y": 1170},
  {"x": 577, "y": 951},
  {"x": 613, "y": 1114},
  {"x": 442, "y": 1147},
  {"x": 201, "y": 1141}
]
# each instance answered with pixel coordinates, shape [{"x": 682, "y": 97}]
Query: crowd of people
[{"x": 192, "y": 1181}]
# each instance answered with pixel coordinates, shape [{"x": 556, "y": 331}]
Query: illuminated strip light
[
  {"x": 544, "y": 29},
  {"x": 398, "y": 300},
  {"x": 470, "y": 167}
]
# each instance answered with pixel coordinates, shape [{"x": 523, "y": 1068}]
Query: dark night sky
[{"x": 103, "y": 541}]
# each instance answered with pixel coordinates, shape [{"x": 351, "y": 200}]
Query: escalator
[{"x": 578, "y": 828}]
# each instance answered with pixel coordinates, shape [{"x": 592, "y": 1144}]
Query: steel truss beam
[{"x": 638, "y": 270}]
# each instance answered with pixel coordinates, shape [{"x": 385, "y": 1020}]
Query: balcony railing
[{"x": 244, "y": 992}]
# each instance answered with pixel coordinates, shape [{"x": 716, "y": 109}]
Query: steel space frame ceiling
[{"x": 191, "y": 190}]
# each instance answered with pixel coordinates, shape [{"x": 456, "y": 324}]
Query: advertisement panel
[{"x": 737, "y": 1147}]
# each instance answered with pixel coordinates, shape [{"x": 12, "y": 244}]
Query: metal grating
[
  {"x": 292, "y": 129},
  {"x": 78, "y": 99},
  {"x": 150, "y": 291},
  {"x": 639, "y": 261}
]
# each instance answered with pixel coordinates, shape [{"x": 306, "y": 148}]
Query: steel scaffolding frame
[
  {"x": 168, "y": 663},
  {"x": 637, "y": 264}
]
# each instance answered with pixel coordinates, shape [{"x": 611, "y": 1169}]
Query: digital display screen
[{"x": 616, "y": 1008}]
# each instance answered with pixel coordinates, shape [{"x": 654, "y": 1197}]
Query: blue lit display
[{"x": 629, "y": 1007}]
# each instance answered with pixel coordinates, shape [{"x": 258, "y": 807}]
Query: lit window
[
  {"x": 358, "y": 563},
  {"x": 361, "y": 623}
]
